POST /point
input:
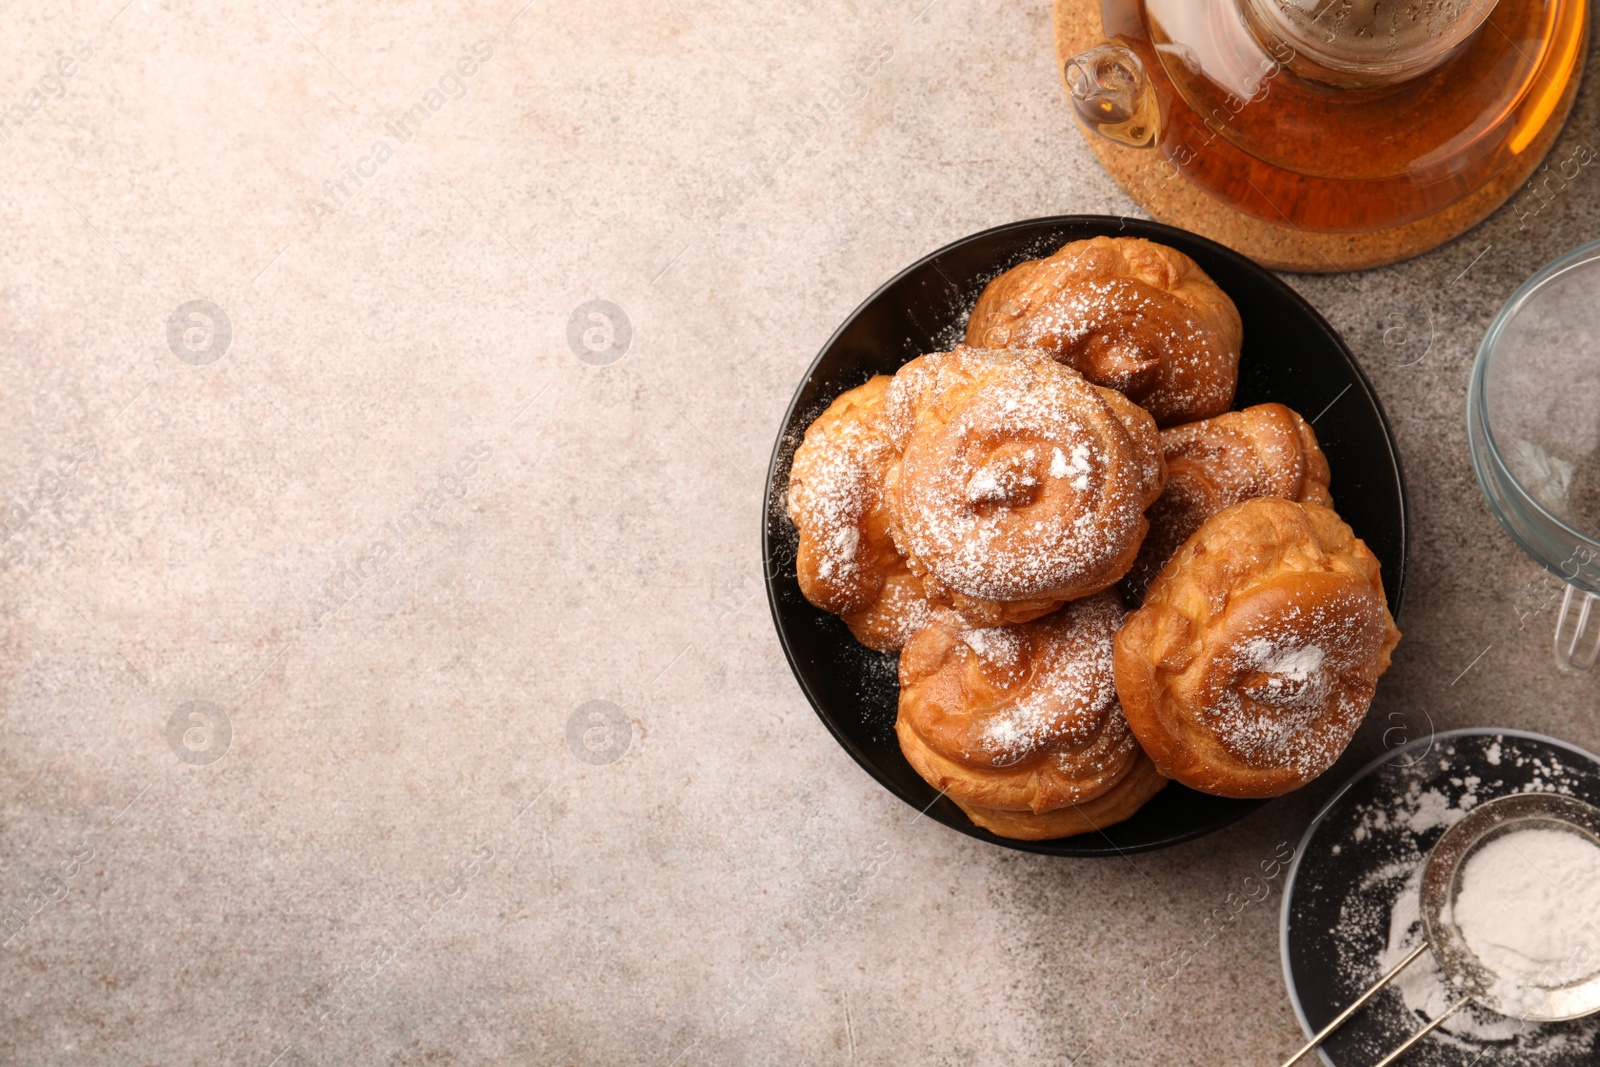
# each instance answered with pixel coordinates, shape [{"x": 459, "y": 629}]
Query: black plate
[
  {"x": 1291, "y": 355},
  {"x": 1350, "y": 870}
]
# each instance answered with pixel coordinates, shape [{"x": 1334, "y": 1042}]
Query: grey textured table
[{"x": 308, "y": 587}]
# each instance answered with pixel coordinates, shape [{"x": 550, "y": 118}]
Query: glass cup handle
[{"x": 1577, "y": 640}]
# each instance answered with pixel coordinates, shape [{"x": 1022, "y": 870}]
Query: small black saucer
[{"x": 1353, "y": 863}]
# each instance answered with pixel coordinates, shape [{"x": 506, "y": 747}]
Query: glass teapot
[{"x": 1331, "y": 115}]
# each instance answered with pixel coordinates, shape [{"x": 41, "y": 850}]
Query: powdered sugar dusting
[
  {"x": 1026, "y": 488},
  {"x": 835, "y": 488},
  {"x": 900, "y": 610},
  {"x": 1211, "y": 464},
  {"x": 1076, "y": 469},
  {"x": 1287, "y": 664},
  {"x": 1001, "y": 648},
  {"x": 1291, "y": 693},
  {"x": 1128, "y": 314},
  {"x": 1071, "y": 700},
  {"x": 1007, "y": 480},
  {"x": 840, "y": 542}
]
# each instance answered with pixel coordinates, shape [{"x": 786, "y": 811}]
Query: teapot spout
[{"x": 1113, "y": 96}]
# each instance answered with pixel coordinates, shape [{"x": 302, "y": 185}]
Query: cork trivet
[{"x": 1285, "y": 247}]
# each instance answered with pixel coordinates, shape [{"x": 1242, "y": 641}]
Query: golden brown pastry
[
  {"x": 846, "y": 562},
  {"x": 1147, "y": 451},
  {"x": 899, "y": 610},
  {"x": 919, "y": 384},
  {"x": 1265, "y": 450},
  {"x": 1019, "y": 725},
  {"x": 1257, "y": 650},
  {"x": 1021, "y": 487},
  {"x": 1129, "y": 314}
]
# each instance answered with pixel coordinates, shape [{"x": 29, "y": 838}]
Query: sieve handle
[
  {"x": 1425, "y": 1031},
  {"x": 1360, "y": 1003}
]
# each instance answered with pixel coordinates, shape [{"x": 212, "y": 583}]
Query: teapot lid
[{"x": 1365, "y": 43}]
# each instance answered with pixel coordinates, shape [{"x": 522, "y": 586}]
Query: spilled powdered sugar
[{"x": 1422, "y": 986}]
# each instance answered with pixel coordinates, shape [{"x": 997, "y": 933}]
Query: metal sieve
[{"x": 1472, "y": 981}]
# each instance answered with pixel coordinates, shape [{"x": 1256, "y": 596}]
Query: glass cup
[{"x": 1533, "y": 427}]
